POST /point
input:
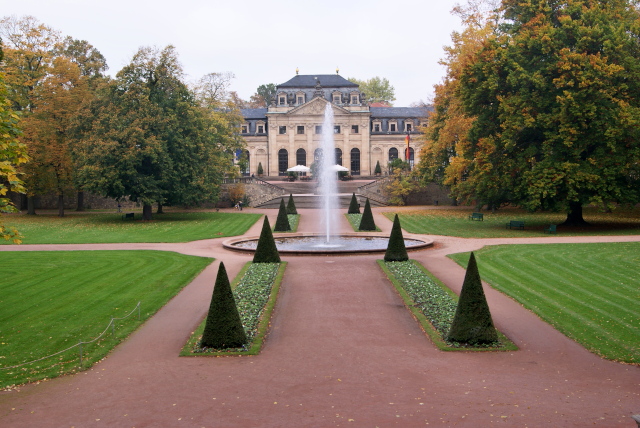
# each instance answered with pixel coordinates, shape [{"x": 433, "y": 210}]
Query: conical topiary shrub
[
  {"x": 472, "y": 323},
  {"x": 377, "y": 170},
  {"x": 266, "y": 251},
  {"x": 367, "y": 223},
  {"x": 396, "y": 250},
  {"x": 260, "y": 170},
  {"x": 291, "y": 206},
  {"x": 223, "y": 328},
  {"x": 282, "y": 222},
  {"x": 354, "y": 208}
]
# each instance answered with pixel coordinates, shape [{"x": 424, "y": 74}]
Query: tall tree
[
  {"x": 264, "y": 95},
  {"x": 146, "y": 137},
  {"x": 554, "y": 98},
  {"x": 12, "y": 154},
  {"x": 377, "y": 90},
  {"x": 47, "y": 130}
]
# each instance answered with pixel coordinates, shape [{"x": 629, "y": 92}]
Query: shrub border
[
  {"x": 256, "y": 344},
  {"x": 425, "y": 324}
]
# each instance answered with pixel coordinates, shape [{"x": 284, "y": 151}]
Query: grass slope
[
  {"x": 110, "y": 228},
  {"x": 455, "y": 222},
  {"x": 50, "y": 301},
  {"x": 589, "y": 292}
]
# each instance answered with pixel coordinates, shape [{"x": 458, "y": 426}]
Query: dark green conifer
[
  {"x": 396, "y": 250},
  {"x": 223, "y": 328},
  {"x": 377, "y": 169},
  {"x": 282, "y": 222},
  {"x": 266, "y": 251},
  {"x": 260, "y": 170},
  {"x": 367, "y": 223},
  {"x": 354, "y": 208},
  {"x": 291, "y": 206},
  {"x": 472, "y": 323}
]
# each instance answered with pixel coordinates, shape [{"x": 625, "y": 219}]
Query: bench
[
  {"x": 551, "y": 229},
  {"x": 515, "y": 224},
  {"x": 476, "y": 216},
  {"x": 128, "y": 215}
]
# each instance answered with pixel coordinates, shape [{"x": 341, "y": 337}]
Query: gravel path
[{"x": 342, "y": 351}]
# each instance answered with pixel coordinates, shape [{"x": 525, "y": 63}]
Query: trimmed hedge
[
  {"x": 291, "y": 205},
  {"x": 354, "y": 208},
  {"x": 396, "y": 250},
  {"x": 282, "y": 222},
  {"x": 367, "y": 222},
  {"x": 266, "y": 251}
]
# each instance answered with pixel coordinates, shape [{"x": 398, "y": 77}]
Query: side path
[{"x": 342, "y": 351}]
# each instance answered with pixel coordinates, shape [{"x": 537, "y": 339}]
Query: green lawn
[
  {"x": 50, "y": 301},
  {"x": 455, "y": 222},
  {"x": 590, "y": 292},
  {"x": 110, "y": 228}
]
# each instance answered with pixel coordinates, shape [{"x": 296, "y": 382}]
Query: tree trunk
[
  {"x": 574, "y": 216},
  {"x": 159, "y": 209},
  {"x": 146, "y": 212},
  {"x": 80, "y": 202},
  {"x": 60, "y": 205},
  {"x": 31, "y": 206}
]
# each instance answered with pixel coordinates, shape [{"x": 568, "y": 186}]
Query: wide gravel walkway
[{"x": 342, "y": 351}]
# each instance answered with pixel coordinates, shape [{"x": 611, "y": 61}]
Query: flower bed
[
  {"x": 255, "y": 293},
  {"x": 431, "y": 303}
]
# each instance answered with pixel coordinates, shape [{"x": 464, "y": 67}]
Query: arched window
[
  {"x": 411, "y": 157},
  {"x": 301, "y": 157},
  {"x": 283, "y": 161},
  {"x": 338, "y": 156},
  {"x": 393, "y": 154},
  {"x": 355, "y": 162},
  {"x": 244, "y": 163},
  {"x": 317, "y": 155}
]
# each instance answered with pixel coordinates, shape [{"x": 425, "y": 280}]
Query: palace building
[{"x": 289, "y": 131}]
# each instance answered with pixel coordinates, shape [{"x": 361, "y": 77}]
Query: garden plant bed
[
  {"x": 432, "y": 304},
  {"x": 294, "y": 219},
  {"x": 354, "y": 220},
  {"x": 255, "y": 290},
  {"x": 589, "y": 292}
]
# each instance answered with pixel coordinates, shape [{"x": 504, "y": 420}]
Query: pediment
[{"x": 316, "y": 107}]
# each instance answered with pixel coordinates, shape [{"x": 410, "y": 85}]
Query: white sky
[{"x": 264, "y": 41}]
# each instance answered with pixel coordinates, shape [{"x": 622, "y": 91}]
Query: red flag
[{"x": 407, "y": 151}]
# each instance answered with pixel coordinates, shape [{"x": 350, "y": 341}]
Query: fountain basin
[{"x": 349, "y": 243}]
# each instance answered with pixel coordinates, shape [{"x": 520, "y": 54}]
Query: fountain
[{"x": 327, "y": 241}]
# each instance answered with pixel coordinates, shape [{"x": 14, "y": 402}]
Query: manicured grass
[
  {"x": 255, "y": 290},
  {"x": 355, "y": 219},
  {"x": 432, "y": 304},
  {"x": 49, "y": 301},
  {"x": 110, "y": 228},
  {"x": 590, "y": 292},
  {"x": 455, "y": 222}
]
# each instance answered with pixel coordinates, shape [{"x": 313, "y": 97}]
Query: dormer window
[
  {"x": 377, "y": 126},
  {"x": 300, "y": 98},
  {"x": 408, "y": 125},
  {"x": 260, "y": 128},
  {"x": 245, "y": 128},
  {"x": 355, "y": 98},
  {"x": 282, "y": 99},
  {"x": 393, "y": 127},
  {"x": 337, "y": 97}
]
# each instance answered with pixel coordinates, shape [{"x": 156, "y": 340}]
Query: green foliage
[
  {"x": 367, "y": 222},
  {"x": 472, "y": 323},
  {"x": 45, "y": 305},
  {"x": 266, "y": 250},
  {"x": 282, "y": 222},
  {"x": 260, "y": 170},
  {"x": 264, "y": 96},
  {"x": 354, "y": 207},
  {"x": 377, "y": 90},
  {"x": 223, "y": 328},
  {"x": 377, "y": 169},
  {"x": 400, "y": 186},
  {"x": 589, "y": 292},
  {"x": 396, "y": 250},
  {"x": 291, "y": 205}
]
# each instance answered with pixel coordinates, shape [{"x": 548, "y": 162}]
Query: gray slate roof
[
  {"x": 399, "y": 112},
  {"x": 254, "y": 113},
  {"x": 326, "y": 80}
]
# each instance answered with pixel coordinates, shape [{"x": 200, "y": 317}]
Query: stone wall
[
  {"x": 431, "y": 194},
  {"x": 256, "y": 191}
]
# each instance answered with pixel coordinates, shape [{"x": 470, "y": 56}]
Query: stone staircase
[{"x": 305, "y": 194}]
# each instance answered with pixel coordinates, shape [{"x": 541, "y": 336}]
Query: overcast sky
[{"x": 265, "y": 41}]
